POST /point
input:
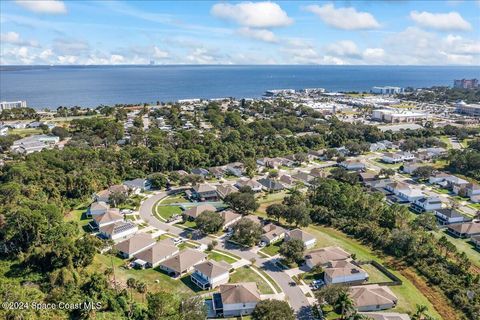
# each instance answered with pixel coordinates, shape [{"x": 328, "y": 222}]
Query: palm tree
[
  {"x": 420, "y": 312},
  {"x": 344, "y": 304}
]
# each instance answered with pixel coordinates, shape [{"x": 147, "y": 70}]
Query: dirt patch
[{"x": 438, "y": 300}]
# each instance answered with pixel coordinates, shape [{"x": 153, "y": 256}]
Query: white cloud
[
  {"x": 440, "y": 21},
  {"x": 258, "y": 34},
  {"x": 159, "y": 53},
  {"x": 253, "y": 14},
  {"x": 70, "y": 46},
  {"x": 344, "y": 18},
  {"x": 201, "y": 56},
  {"x": 344, "y": 48},
  {"x": 67, "y": 59},
  {"x": 375, "y": 55},
  {"x": 44, "y": 6},
  {"x": 15, "y": 39}
]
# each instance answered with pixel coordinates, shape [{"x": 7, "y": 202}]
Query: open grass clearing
[
  {"x": 166, "y": 212},
  {"x": 218, "y": 256},
  {"x": 272, "y": 249},
  {"x": 246, "y": 274}
]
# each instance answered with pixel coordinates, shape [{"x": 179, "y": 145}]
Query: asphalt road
[{"x": 297, "y": 299}]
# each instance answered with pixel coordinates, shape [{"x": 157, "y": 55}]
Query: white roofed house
[
  {"x": 210, "y": 274},
  {"x": 390, "y": 157},
  {"x": 439, "y": 178},
  {"x": 136, "y": 186},
  {"x": 404, "y": 191},
  {"x": 34, "y": 143},
  {"x": 157, "y": 253},
  {"x": 252, "y": 183},
  {"x": 410, "y": 167},
  {"x": 236, "y": 299},
  {"x": 344, "y": 271},
  {"x": 426, "y": 204},
  {"x": 372, "y": 297},
  {"x": 354, "y": 165},
  {"x": 308, "y": 240},
  {"x": 136, "y": 244},
  {"x": 472, "y": 190},
  {"x": 449, "y": 216},
  {"x": 118, "y": 230}
]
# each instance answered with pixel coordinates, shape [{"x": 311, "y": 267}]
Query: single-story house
[
  {"x": 230, "y": 217},
  {"x": 286, "y": 180},
  {"x": 202, "y": 192},
  {"x": 410, "y": 167},
  {"x": 386, "y": 316},
  {"x": 252, "y": 183},
  {"x": 319, "y": 173},
  {"x": 104, "y": 195},
  {"x": 210, "y": 274},
  {"x": 200, "y": 171},
  {"x": 225, "y": 189},
  {"x": 472, "y": 190},
  {"x": 110, "y": 216},
  {"x": 465, "y": 230},
  {"x": 270, "y": 162},
  {"x": 118, "y": 230},
  {"x": 321, "y": 257},
  {"x": 368, "y": 176},
  {"x": 404, "y": 191},
  {"x": 426, "y": 204},
  {"x": 353, "y": 165},
  {"x": 449, "y": 216},
  {"x": 476, "y": 241},
  {"x": 183, "y": 262},
  {"x": 217, "y": 172},
  {"x": 136, "y": 186},
  {"x": 236, "y": 299},
  {"x": 235, "y": 168},
  {"x": 159, "y": 252},
  {"x": 97, "y": 208},
  {"x": 308, "y": 240},
  {"x": 271, "y": 185},
  {"x": 439, "y": 178},
  {"x": 272, "y": 233},
  {"x": 303, "y": 177},
  {"x": 372, "y": 297},
  {"x": 138, "y": 243},
  {"x": 391, "y": 157},
  {"x": 407, "y": 156},
  {"x": 194, "y": 212},
  {"x": 344, "y": 271}
]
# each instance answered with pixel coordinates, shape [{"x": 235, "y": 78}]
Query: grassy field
[
  {"x": 173, "y": 199},
  {"x": 408, "y": 295},
  {"x": 463, "y": 245},
  {"x": 166, "y": 212},
  {"x": 374, "y": 275},
  {"x": 382, "y": 164},
  {"x": 272, "y": 249},
  {"x": 447, "y": 141},
  {"x": 246, "y": 274},
  {"x": 220, "y": 257},
  {"x": 25, "y": 132},
  {"x": 78, "y": 215},
  {"x": 277, "y": 287}
]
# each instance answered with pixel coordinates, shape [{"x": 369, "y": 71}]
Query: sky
[{"x": 393, "y": 32}]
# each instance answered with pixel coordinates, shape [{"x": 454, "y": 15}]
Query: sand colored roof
[
  {"x": 272, "y": 231},
  {"x": 468, "y": 228},
  {"x": 229, "y": 215},
  {"x": 301, "y": 235},
  {"x": 225, "y": 190},
  {"x": 245, "y": 292},
  {"x": 117, "y": 227},
  {"x": 341, "y": 268},
  {"x": 327, "y": 254},
  {"x": 158, "y": 252},
  {"x": 184, "y": 260},
  {"x": 136, "y": 243},
  {"x": 112, "y": 215},
  {"x": 212, "y": 268},
  {"x": 99, "y": 206},
  {"x": 371, "y": 295},
  {"x": 194, "y": 212},
  {"x": 203, "y": 187},
  {"x": 252, "y": 183},
  {"x": 118, "y": 188}
]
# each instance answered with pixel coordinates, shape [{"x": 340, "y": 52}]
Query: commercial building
[
  {"x": 468, "y": 109},
  {"x": 6, "y": 105},
  {"x": 466, "y": 83},
  {"x": 396, "y": 116},
  {"x": 387, "y": 90}
]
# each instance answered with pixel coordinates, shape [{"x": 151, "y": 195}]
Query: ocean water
[{"x": 90, "y": 86}]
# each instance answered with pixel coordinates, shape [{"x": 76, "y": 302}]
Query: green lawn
[
  {"x": 220, "y": 257},
  {"x": 380, "y": 163},
  {"x": 25, "y": 132},
  {"x": 272, "y": 249},
  {"x": 187, "y": 224},
  {"x": 245, "y": 274},
  {"x": 463, "y": 245},
  {"x": 271, "y": 197},
  {"x": 166, "y": 212},
  {"x": 78, "y": 215},
  {"x": 174, "y": 199},
  {"x": 374, "y": 275},
  {"x": 308, "y": 277},
  {"x": 447, "y": 141},
  {"x": 277, "y": 287}
]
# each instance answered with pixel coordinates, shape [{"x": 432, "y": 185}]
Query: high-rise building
[
  {"x": 387, "y": 90},
  {"x": 466, "y": 83},
  {"x": 5, "y": 105}
]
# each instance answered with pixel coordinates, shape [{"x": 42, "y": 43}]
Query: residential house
[
  {"x": 410, "y": 167},
  {"x": 272, "y": 233},
  {"x": 217, "y": 172},
  {"x": 308, "y": 240},
  {"x": 368, "y": 176},
  {"x": 439, "y": 178},
  {"x": 472, "y": 190},
  {"x": 229, "y": 218},
  {"x": 476, "y": 241},
  {"x": 200, "y": 171},
  {"x": 235, "y": 168},
  {"x": 136, "y": 186},
  {"x": 271, "y": 185},
  {"x": 391, "y": 157},
  {"x": 183, "y": 262},
  {"x": 449, "y": 216},
  {"x": 118, "y": 230},
  {"x": 321, "y": 257},
  {"x": 236, "y": 299},
  {"x": 407, "y": 156},
  {"x": 319, "y": 173},
  {"x": 110, "y": 216},
  {"x": 287, "y": 180},
  {"x": 457, "y": 184},
  {"x": 344, "y": 271},
  {"x": 157, "y": 253},
  {"x": 225, "y": 189},
  {"x": 136, "y": 244},
  {"x": 104, "y": 195},
  {"x": 194, "y": 212},
  {"x": 252, "y": 183},
  {"x": 378, "y": 146},
  {"x": 202, "y": 192},
  {"x": 314, "y": 155},
  {"x": 273, "y": 163},
  {"x": 353, "y": 165},
  {"x": 404, "y": 191},
  {"x": 465, "y": 230},
  {"x": 210, "y": 274},
  {"x": 426, "y": 204},
  {"x": 97, "y": 208},
  {"x": 303, "y": 177},
  {"x": 372, "y": 297},
  {"x": 34, "y": 143}
]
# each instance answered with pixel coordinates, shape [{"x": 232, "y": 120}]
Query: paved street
[{"x": 294, "y": 294}]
